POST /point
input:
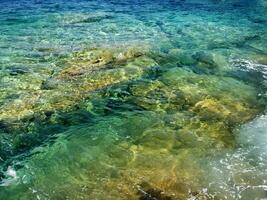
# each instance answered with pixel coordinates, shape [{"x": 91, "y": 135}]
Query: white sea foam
[
  {"x": 11, "y": 177},
  {"x": 251, "y": 66},
  {"x": 244, "y": 169}
]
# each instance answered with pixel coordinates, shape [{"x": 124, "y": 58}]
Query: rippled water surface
[{"x": 133, "y": 99}]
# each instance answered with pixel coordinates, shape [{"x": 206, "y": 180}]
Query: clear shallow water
[{"x": 133, "y": 99}]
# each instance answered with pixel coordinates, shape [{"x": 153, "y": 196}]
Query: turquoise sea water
[{"x": 133, "y": 99}]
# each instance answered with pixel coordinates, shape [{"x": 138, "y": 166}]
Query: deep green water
[{"x": 133, "y": 99}]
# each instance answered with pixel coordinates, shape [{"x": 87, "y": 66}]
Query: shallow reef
[
  {"x": 83, "y": 72},
  {"x": 145, "y": 101},
  {"x": 125, "y": 125}
]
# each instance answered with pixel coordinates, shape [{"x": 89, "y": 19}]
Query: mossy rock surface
[{"x": 76, "y": 75}]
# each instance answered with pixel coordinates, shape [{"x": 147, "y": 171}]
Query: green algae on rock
[
  {"x": 41, "y": 106},
  {"x": 79, "y": 74},
  {"x": 120, "y": 162},
  {"x": 123, "y": 121}
]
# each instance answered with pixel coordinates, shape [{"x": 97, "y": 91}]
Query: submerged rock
[
  {"x": 87, "y": 18},
  {"x": 205, "y": 59},
  {"x": 209, "y": 62},
  {"x": 147, "y": 192},
  {"x": 17, "y": 70},
  {"x": 180, "y": 118},
  {"x": 157, "y": 96},
  {"x": 210, "y": 109},
  {"x": 84, "y": 61},
  {"x": 78, "y": 74},
  {"x": 157, "y": 138}
]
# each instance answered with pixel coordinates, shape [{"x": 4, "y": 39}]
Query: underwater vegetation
[{"x": 133, "y": 100}]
